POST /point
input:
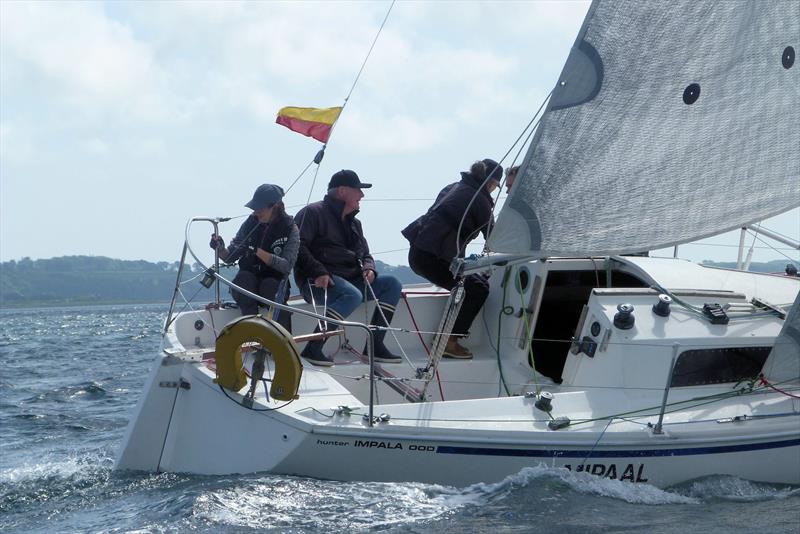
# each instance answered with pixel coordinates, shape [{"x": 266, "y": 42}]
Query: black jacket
[
  {"x": 435, "y": 232},
  {"x": 330, "y": 245},
  {"x": 252, "y": 235}
]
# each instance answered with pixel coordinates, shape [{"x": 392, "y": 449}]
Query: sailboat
[{"x": 670, "y": 122}]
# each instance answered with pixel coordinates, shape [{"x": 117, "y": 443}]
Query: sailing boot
[
  {"x": 382, "y": 354},
  {"x": 455, "y": 350},
  {"x": 313, "y": 349}
]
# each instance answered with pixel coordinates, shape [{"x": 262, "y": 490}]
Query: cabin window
[{"x": 716, "y": 366}]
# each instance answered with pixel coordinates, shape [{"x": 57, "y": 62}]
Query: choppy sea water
[{"x": 70, "y": 378}]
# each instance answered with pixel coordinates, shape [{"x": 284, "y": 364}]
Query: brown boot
[{"x": 456, "y": 351}]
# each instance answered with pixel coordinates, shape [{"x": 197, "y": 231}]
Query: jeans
[{"x": 345, "y": 296}]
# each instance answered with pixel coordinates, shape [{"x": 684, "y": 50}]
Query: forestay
[{"x": 671, "y": 121}]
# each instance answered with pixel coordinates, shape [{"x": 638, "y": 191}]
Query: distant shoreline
[
  {"x": 77, "y": 304},
  {"x": 81, "y": 281},
  {"x": 96, "y": 280}
]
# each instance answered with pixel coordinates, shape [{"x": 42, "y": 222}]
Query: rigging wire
[
  {"x": 299, "y": 176},
  {"x": 532, "y": 124},
  {"x": 320, "y": 154},
  {"x": 363, "y": 64},
  {"x": 756, "y": 237}
]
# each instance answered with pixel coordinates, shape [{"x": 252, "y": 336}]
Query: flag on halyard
[{"x": 311, "y": 122}]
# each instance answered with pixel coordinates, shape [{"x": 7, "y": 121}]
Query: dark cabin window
[{"x": 716, "y": 366}]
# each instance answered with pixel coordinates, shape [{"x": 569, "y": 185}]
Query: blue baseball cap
[{"x": 266, "y": 195}]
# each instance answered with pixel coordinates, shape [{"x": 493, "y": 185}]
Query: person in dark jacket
[
  {"x": 266, "y": 248},
  {"x": 435, "y": 242},
  {"x": 334, "y": 258}
]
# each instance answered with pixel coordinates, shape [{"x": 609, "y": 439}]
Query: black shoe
[
  {"x": 382, "y": 311},
  {"x": 383, "y": 355},
  {"x": 313, "y": 353}
]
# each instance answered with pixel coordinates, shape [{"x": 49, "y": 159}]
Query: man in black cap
[
  {"x": 266, "y": 248},
  {"x": 334, "y": 258}
]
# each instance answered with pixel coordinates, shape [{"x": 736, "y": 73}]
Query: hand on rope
[{"x": 369, "y": 275}]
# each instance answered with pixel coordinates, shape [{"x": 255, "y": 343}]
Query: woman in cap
[
  {"x": 266, "y": 248},
  {"x": 434, "y": 237}
]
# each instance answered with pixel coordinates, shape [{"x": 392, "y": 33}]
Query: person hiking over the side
[{"x": 433, "y": 238}]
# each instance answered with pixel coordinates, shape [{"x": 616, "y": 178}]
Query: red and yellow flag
[{"x": 311, "y": 122}]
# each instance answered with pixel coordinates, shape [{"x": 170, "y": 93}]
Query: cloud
[
  {"x": 392, "y": 133},
  {"x": 84, "y": 55},
  {"x": 193, "y": 61},
  {"x": 95, "y": 146},
  {"x": 16, "y": 145}
]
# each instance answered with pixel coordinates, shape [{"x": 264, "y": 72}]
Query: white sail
[
  {"x": 783, "y": 363},
  {"x": 671, "y": 121}
]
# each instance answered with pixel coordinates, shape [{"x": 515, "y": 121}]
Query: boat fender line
[{"x": 275, "y": 339}]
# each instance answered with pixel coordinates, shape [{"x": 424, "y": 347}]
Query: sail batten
[{"x": 670, "y": 122}]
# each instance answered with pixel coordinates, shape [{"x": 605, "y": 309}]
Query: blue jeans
[{"x": 345, "y": 296}]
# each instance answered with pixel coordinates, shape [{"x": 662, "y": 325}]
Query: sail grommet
[
  {"x": 691, "y": 94},
  {"x": 624, "y": 319},
  {"x": 787, "y": 58}
]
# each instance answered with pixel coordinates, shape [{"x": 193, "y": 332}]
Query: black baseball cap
[
  {"x": 265, "y": 195},
  {"x": 347, "y": 178},
  {"x": 493, "y": 169}
]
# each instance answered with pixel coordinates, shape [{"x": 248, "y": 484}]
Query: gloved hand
[{"x": 216, "y": 243}]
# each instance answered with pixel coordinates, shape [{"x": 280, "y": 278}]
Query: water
[{"x": 70, "y": 377}]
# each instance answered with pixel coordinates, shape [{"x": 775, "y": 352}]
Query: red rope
[
  {"x": 414, "y": 321},
  {"x": 764, "y": 382}
]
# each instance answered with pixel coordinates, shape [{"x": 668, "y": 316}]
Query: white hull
[
  {"x": 210, "y": 434},
  {"x": 199, "y": 428}
]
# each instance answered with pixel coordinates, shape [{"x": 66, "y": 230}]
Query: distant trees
[
  {"x": 87, "y": 279},
  {"x": 97, "y": 279}
]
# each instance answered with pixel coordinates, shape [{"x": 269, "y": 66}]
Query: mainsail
[{"x": 671, "y": 121}]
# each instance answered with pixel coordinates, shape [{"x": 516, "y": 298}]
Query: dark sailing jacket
[
  {"x": 330, "y": 245},
  {"x": 274, "y": 237},
  {"x": 435, "y": 231}
]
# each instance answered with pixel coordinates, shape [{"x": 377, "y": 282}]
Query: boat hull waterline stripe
[{"x": 561, "y": 453}]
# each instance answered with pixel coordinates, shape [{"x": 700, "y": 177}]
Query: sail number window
[{"x": 716, "y": 366}]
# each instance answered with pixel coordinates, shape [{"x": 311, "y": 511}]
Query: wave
[
  {"x": 87, "y": 390},
  {"x": 725, "y": 488},
  {"x": 553, "y": 478},
  {"x": 283, "y": 502}
]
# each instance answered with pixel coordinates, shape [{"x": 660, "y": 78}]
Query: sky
[{"x": 121, "y": 120}]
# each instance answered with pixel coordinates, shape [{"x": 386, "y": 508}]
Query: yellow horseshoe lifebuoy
[{"x": 274, "y": 338}]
